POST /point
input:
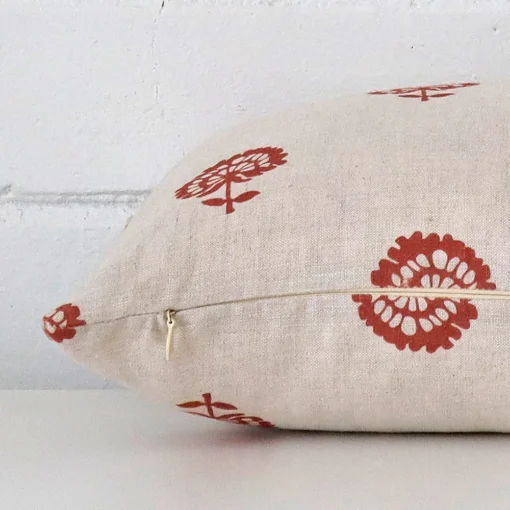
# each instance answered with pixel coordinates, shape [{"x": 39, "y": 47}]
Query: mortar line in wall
[{"x": 12, "y": 195}]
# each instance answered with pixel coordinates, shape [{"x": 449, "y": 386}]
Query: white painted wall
[{"x": 98, "y": 99}]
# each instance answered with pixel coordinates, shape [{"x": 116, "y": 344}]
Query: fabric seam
[{"x": 388, "y": 291}]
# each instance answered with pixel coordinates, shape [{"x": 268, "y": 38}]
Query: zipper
[
  {"x": 170, "y": 323},
  {"x": 455, "y": 294}
]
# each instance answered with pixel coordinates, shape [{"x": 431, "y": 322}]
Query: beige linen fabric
[{"x": 426, "y": 166}]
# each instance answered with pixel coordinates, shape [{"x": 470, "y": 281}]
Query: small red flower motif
[
  {"x": 422, "y": 92},
  {"x": 239, "y": 168},
  {"x": 418, "y": 322},
  {"x": 60, "y": 324},
  {"x": 239, "y": 418}
]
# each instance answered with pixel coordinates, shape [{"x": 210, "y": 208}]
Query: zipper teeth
[{"x": 383, "y": 291}]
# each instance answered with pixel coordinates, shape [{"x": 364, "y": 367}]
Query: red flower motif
[
  {"x": 60, "y": 324},
  {"x": 430, "y": 322},
  {"x": 246, "y": 420},
  {"x": 239, "y": 418},
  {"x": 422, "y": 92},
  {"x": 239, "y": 168}
]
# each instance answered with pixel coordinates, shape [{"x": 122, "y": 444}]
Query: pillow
[{"x": 343, "y": 266}]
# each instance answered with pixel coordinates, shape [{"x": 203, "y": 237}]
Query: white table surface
[{"x": 114, "y": 450}]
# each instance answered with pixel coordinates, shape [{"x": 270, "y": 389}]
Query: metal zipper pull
[{"x": 170, "y": 322}]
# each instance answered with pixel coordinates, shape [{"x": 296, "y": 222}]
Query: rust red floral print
[
  {"x": 61, "y": 324},
  {"x": 425, "y": 93},
  {"x": 238, "y": 169},
  {"x": 427, "y": 262},
  {"x": 211, "y": 408}
]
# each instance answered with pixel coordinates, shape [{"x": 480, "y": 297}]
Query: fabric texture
[{"x": 268, "y": 245}]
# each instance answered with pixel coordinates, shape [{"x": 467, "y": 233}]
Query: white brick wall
[{"x": 98, "y": 99}]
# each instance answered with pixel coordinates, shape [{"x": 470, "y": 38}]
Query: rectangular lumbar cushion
[{"x": 343, "y": 266}]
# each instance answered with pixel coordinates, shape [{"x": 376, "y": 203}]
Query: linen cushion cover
[{"x": 342, "y": 266}]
